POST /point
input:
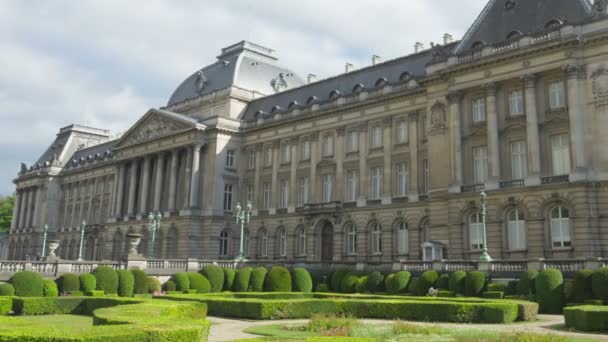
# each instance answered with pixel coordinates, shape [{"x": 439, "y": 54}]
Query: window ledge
[
  {"x": 402, "y": 144},
  {"x": 561, "y": 249},
  {"x": 516, "y": 250},
  {"x": 376, "y": 149}
]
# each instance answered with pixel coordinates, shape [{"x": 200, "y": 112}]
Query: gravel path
[{"x": 223, "y": 329}]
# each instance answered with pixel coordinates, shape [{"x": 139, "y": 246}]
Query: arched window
[
  {"x": 282, "y": 242},
  {"x": 376, "y": 237},
  {"x": 263, "y": 241},
  {"x": 224, "y": 243},
  {"x": 514, "y": 34},
  {"x": 171, "y": 244},
  {"x": 402, "y": 238},
  {"x": 381, "y": 82},
  {"x": 358, "y": 88},
  {"x": 64, "y": 251},
  {"x": 334, "y": 94},
  {"x": 476, "y": 230},
  {"x": 477, "y": 45},
  {"x": 301, "y": 241},
  {"x": 116, "y": 246},
  {"x": 11, "y": 250},
  {"x": 560, "y": 227},
  {"x": 424, "y": 230},
  {"x": 351, "y": 239},
  {"x": 18, "y": 250},
  {"x": 259, "y": 114},
  {"x": 73, "y": 250},
  {"x": 406, "y": 76},
  {"x": 275, "y": 110},
  {"x": 311, "y": 100},
  {"x": 553, "y": 24},
  {"x": 292, "y": 105},
  {"x": 516, "y": 230},
  {"x": 89, "y": 253}
]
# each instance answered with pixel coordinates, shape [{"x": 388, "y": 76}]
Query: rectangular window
[
  {"x": 285, "y": 153},
  {"x": 376, "y": 136},
  {"x": 426, "y": 177},
  {"x": 476, "y": 235},
  {"x": 266, "y": 196},
  {"x": 230, "y": 158},
  {"x": 305, "y": 150},
  {"x": 557, "y": 97},
  {"x": 228, "y": 197},
  {"x": 328, "y": 188},
  {"x": 480, "y": 164},
  {"x": 251, "y": 159},
  {"x": 375, "y": 182},
  {"x": 402, "y": 176},
  {"x": 353, "y": 141},
  {"x": 249, "y": 193},
  {"x": 519, "y": 160},
  {"x": 560, "y": 152},
  {"x": 328, "y": 146},
  {"x": 268, "y": 156},
  {"x": 303, "y": 199},
  {"x": 516, "y": 102},
  {"x": 284, "y": 194},
  {"x": 351, "y": 185},
  {"x": 479, "y": 110},
  {"x": 516, "y": 231},
  {"x": 402, "y": 132}
]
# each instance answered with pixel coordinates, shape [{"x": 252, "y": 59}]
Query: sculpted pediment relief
[{"x": 152, "y": 126}]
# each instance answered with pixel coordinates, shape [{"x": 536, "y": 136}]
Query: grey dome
[{"x": 245, "y": 65}]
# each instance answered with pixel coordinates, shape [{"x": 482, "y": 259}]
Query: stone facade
[{"x": 382, "y": 170}]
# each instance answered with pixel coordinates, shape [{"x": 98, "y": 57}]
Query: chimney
[
  {"x": 447, "y": 39},
  {"x": 376, "y": 59},
  {"x": 418, "y": 47},
  {"x": 348, "y": 67},
  {"x": 312, "y": 78}
]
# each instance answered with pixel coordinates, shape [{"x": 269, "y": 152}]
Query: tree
[{"x": 6, "y": 213}]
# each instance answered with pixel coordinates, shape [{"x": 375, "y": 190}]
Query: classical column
[
  {"x": 576, "y": 75},
  {"x": 66, "y": 197},
  {"x": 454, "y": 99},
  {"x": 195, "y": 179},
  {"x": 15, "y": 218},
  {"x": 314, "y": 156},
  {"x": 145, "y": 187},
  {"x": 73, "y": 220},
  {"x": 121, "y": 190},
  {"x": 293, "y": 181},
  {"x": 413, "y": 147},
  {"x": 187, "y": 178},
  {"x": 91, "y": 198},
  {"x": 158, "y": 184},
  {"x": 363, "y": 179},
  {"x": 256, "y": 181},
  {"x": 23, "y": 207},
  {"x": 339, "y": 182},
  {"x": 132, "y": 190},
  {"x": 31, "y": 207},
  {"x": 387, "y": 196},
  {"x": 533, "y": 138},
  {"x": 173, "y": 182},
  {"x": 492, "y": 136}
]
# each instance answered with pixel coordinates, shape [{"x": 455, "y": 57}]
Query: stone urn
[
  {"x": 134, "y": 240},
  {"x": 53, "y": 244}
]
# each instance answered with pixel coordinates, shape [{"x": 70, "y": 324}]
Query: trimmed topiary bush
[
  {"x": 107, "y": 279},
  {"x": 126, "y": 283},
  {"x": 599, "y": 281},
  {"x": 426, "y": 281},
  {"x": 199, "y": 283},
  {"x": 242, "y": 278},
  {"x": 215, "y": 275},
  {"x": 88, "y": 282},
  {"x": 497, "y": 287},
  {"x": 182, "y": 282},
  {"x": 301, "y": 280},
  {"x": 587, "y": 318},
  {"x": 568, "y": 289},
  {"x": 375, "y": 281},
  {"x": 68, "y": 282},
  {"x": 28, "y": 284},
  {"x": 278, "y": 280},
  {"x": 456, "y": 282},
  {"x": 399, "y": 282},
  {"x": 257, "y": 279},
  {"x": 549, "y": 285},
  {"x": 322, "y": 287},
  {"x": 443, "y": 283},
  {"x": 7, "y": 289},
  {"x": 153, "y": 284},
  {"x": 474, "y": 283},
  {"x": 349, "y": 282},
  {"x": 141, "y": 281},
  {"x": 527, "y": 283},
  {"x": 169, "y": 285},
  {"x": 361, "y": 286},
  {"x": 412, "y": 287},
  {"x": 229, "y": 275},
  {"x": 335, "y": 280},
  {"x": 582, "y": 288},
  {"x": 50, "y": 288}
]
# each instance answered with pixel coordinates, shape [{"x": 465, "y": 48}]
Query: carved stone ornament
[
  {"x": 200, "y": 81},
  {"x": 599, "y": 8},
  {"x": 279, "y": 82},
  {"x": 438, "y": 116},
  {"x": 600, "y": 87},
  {"x": 153, "y": 127}
]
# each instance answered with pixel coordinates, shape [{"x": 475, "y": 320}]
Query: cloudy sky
[{"x": 103, "y": 63}]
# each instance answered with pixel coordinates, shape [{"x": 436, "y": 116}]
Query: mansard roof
[
  {"x": 500, "y": 18},
  {"x": 90, "y": 154}
]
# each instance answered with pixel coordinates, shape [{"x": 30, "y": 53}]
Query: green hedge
[
  {"x": 27, "y": 284},
  {"x": 443, "y": 283},
  {"x": 68, "y": 282},
  {"x": 107, "y": 279},
  {"x": 474, "y": 283},
  {"x": 229, "y": 275},
  {"x": 7, "y": 289},
  {"x": 599, "y": 281},
  {"x": 398, "y": 282},
  {"x": 361, "y": 286},
  {"x": 153, "y": 284},
  {"x": 87, "y": 282},
  {"x": 182, "y": 281},
  {"x": 169, "y": 285},
  {"x": 426, "y": 281},
  {"x": 456, "y": 283},
  {"x": 301, "y": 280},
  {"x": 215, "y": 275},
  {"x": 587, "y": 318},
  {"x": 527, "y": 283},
  {"x": 413, "y": 286},
  {"x": 278, "y": 280},
  {"x": 76, "y": 293},
  {"x": 199, "y": 283},
  {"x": 95, "y": 293},
  {"x": 375, "y": 280},
  {"x": 493, "y": 294},
  {"x": 492, "y": 287},
  {"x": 242, "y": 279},
  {"x": 257, "y": 279},
  {"x": 141, "y": 281},
  {"x": 582, "y": 286},
  {"x": 49, "y": 288},
  {"x": 549, "y": 291},
  {"x": 126, "y": 283},
  {"x": 335, "y": 280},
  {"x": 349, "y": 282},
  {"x": 6, "y": 306},
  {"x": 445, "y": 294}
]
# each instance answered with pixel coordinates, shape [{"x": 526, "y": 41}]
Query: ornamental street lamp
[
  {"x": 46, "y": 229},
  {"x": 484, "y": 257},
  {"x": 242, "y": 218},
  {"x": 153, "y": 227},
  {"x": 84, "y": 224}
]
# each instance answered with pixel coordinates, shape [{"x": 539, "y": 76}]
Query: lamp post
[
  {"x": 484, "y": 257},
  {"x": 153, "y": 226},
  {"x": 46, "y": 229},
  {"x": 242, "y": 218},
  {"x": 84, "y": 224}
]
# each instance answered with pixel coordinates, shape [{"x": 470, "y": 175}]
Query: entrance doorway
[{"x": 327, "y": 242}]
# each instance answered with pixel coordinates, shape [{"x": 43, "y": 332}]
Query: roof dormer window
[
  {"x": 478, "y": 45},
  {"x": 334, "y": 94},
  {"x": 553, "y": 24},
  {"x": 406, "y": 76},
  {"x": 311, "y": 100},
  {"x": 514, "y": 34},
  {"x": 292, "y": 105},
  {"x": 275, "y": 110},
  {"x": 381, "y": 82}
]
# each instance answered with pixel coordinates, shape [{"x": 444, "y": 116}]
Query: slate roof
[{"x": 89, "y": 154}]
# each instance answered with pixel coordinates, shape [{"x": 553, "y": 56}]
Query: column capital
[
  {"x": 363, "y": 126},
  {"x": 195, "y": 147},
  {"x": 455, "y": 96},
  {"x": 413, "y": 116},
  {"x": 490, "y": 88},
  {"x": 340, "y": 131},
  {"x": 314, "y": 136},
  {"x": 387, "y": 121},
  {"x": 529, "y": 80},
  {"x": 575, "y": 71}
]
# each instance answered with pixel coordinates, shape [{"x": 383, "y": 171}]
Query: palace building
[{"x": 377, "y": 164}]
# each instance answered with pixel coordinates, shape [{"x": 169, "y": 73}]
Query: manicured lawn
[{"x": 60, "y": 321}]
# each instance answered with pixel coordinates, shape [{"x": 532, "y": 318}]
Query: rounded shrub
[
  {"x": 375, "y": 281},
  {"x": 199, "y": 283},
  {"x": 278, "y": 280},
  {"x": 474, "y": 283},
  {"x": 28, "y": 284},
  {"x": 527, "y": 281},
  {"x": 257, "y": 279},
  {"x": 335, "y": 281},
  {"x": 413, "y": 286},
  {"x": 242, "y": 278},
  {"x": 215, "y": 275},
  {"x": 398, "y": 282},
  {"x": 181, "y": 280},
  {"x": 141, "y": 281},
  {"x": 568, "y": 288},
  {"x": 349, "y": 282},
  {"x": 361, "y": 286},
  {"x": 443, "y": 283},
  {"x": 69, "y": 282},
  {"x": 107, "y": 279},
  {"x": 426, "y": 281},
  {"x": 153, "y": 284},
  {"x": 301, "y": 280},
  {"x": 169, "y": 285},
  {"x": 126, "y": 283},
  {"x": 49, "y": 288},
  {"x": 7, "y": 289},
  {"x": 582, "y": 287},
  {"x": 456, "y": 282},
  {"x": 88, "y": 282},
  {"x": 599, "y": 284},
  {"x": 229, "y": 275},
  {"x": 549, "y": 284},
  {"x": 322, "y": 287}
]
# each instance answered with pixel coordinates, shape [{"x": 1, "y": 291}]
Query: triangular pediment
[{"x": 157, "y": 124}]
